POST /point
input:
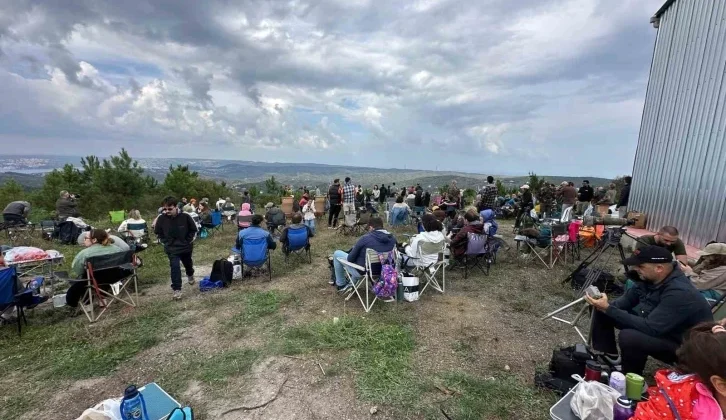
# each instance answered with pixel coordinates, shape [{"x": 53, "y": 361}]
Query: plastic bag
[
  {"x": 594, "y": 401},
  {"x": 106, "y": 410}
]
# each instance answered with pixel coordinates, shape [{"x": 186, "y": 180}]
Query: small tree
[
  {"x": 11, "y": 191},
  {"x": 501, "y": 189},
  {"x": 272, "y": 186},
  {"x": 535, "y": 183}
]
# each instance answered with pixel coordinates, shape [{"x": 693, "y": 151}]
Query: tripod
[{"x": 610, "y": 241}]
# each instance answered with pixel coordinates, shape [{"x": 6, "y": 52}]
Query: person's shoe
[
  {"x": 177, "y": 295},
  {"x": 345, "y": 288},
  {"x": 190, "y": 279},
  {"x": 331, "y": 282}
]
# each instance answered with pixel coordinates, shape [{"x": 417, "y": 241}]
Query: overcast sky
[{"x": 488, "y": 86}]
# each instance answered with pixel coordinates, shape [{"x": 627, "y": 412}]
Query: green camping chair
[{"x": 117, "y": 216}]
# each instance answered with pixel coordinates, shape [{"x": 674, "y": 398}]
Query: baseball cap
[
  {"x": 714, "y": 249},
  {"x": 269, "y": 205},
  {"x": 650, "y": 254}
]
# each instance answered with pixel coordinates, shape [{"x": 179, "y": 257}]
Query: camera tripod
[{"x": 611, "y": 240}]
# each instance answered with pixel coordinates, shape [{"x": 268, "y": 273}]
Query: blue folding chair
[
  {"x": 399, "y": 216},
  {"x": 254, "y": 254},
  {"x": 216, "y": 223},
  {"x": 11, "y": 295},
  {"x": 298, "y": 244}
]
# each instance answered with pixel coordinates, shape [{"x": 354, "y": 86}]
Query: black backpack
[
  {"x": 68, "y": 233},
  {"x": 565, "y": 362},
  {"x": 222, "y": 271},
  {"x": 295, "y": 206}
]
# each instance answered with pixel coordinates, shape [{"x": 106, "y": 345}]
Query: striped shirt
[{"x": 349, "y": 193}]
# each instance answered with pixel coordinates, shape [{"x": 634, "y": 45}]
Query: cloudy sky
[{"x": 489, "y": 86}]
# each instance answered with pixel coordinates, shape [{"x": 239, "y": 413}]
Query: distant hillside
[{"x": 26, "y": 180}]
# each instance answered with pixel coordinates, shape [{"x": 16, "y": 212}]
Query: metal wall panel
[{"x": 679, "y": 176}]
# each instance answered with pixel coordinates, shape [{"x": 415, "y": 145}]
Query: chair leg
[{"x": 20, "y": 316}]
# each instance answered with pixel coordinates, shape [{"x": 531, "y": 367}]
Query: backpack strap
[{"x": 671, "y": 404}]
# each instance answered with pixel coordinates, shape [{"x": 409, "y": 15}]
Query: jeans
[
  {"x": 14, "y": 219},
  {"x": 340, "y": 279},
  {"x": 174, "y": 260},
  {"x": 333, "y": 215},
  {"x": 635, "y": 346},
  {"x": 311, "y": 224}
]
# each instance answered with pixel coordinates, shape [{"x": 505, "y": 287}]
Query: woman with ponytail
[{"x": 96, "y": 242}]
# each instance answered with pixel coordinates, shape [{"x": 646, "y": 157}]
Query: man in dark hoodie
[
  {"x": 377, "y": 239},
  {"x": 461, "y": 240},
  {"x": 176, "y": 231},
  {"x": 335, "y": 198}
]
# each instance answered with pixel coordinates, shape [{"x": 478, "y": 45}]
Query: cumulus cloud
[{"x": 490, "y": 83}]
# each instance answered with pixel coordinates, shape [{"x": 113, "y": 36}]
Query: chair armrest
[{"x": 350, "y": 264}]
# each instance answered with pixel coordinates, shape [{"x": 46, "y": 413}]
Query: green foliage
[
  {"x": 273, "y": 187},
  {"x": 469, "y": 193},
  {"x": 254, "y": 191},
  {"x": 11, "y": 191},
  {"x": 443, "y": 189},
  {"x": 535, "y": 183},
  {"x": 501, "y": 189}
]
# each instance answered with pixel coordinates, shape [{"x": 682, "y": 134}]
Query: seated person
[
  {"x": 377, "y": 239},
  {"x": 399, "y": 212},
  {"x": 472, "y": 224},
  {"x": 709, "y": 275},
  {"x": 490, "y": 225},
  {"x": 229, "y": 210},
  {"x": 205, "y": 214},
  {"x": 439, "y": 214},
  {"x": 432, "y": 233},
  {"x": 97, "y": 242},
  {"x": 134, "y": 226},
  {"x": 274, "y": 217},
  {"x": 255, "y": 232},
  {"x": 17, "y": 212},
  {"x": 668, "y": 306},
  {"x": 66, "y": 206},
  {"x": 667, "y": 237},
  {"x": 698, "y": 384},
  {"x": 244, "y": 216},
  {"x": 297, "y": 223},
  {"x": 401, "y": 204}
]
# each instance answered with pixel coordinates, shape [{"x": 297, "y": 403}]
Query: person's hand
[
  {"x": 687, "y": 270},
  {"x": 599, "y": 304}
]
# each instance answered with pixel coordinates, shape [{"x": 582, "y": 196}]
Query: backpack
[
  {"x": 222, "y": 270},
  {"x": 605, "y": 282},
  {"x": 68, "y": 233},
  {"x": 387, "y": 282},
  {"x": 565, "y": 362}
]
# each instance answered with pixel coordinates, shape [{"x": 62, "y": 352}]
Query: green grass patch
[
  {"x": 380, "y": 354},
  {"x": 257, "y": 305},
  {"x": 494, "y": 398}
]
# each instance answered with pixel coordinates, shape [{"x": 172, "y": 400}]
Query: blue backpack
[{"x": 387, "y": 282}]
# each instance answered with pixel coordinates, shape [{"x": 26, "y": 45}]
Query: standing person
[
  {"x": 177, "y": 232},
  {"x": 335, "y": 199},
  {"x": 610, "y": 194},
  {"x": 17, "y": 212},
  {"x": 66, "y": 206},
  {"x": 568, "y": 195},
  {"x": 488, "y": 194},
  {"x": 182, "y": 203},
  {"x": 455, "y": 193},
  {"x": 348, "y": 192},
  {"x": 624, "y": 197},
  {"x": 359, "y": 199},
  {"x": 309, "y": 215},
  {"x": 584, "y": 196},
  {"x": 376, "y": 194}
]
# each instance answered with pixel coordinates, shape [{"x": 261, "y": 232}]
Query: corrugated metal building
[{"x": 679, "y": 176}]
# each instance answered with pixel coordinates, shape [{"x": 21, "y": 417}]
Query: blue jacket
[
  {"x": 255, "y": 232},
  {"x": 378, "y": 240}
]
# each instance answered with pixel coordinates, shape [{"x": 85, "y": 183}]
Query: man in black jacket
[
  {"x": 624, "y": 197},
  {"x": 584, "y": 197},
  {"x": 335, "y": 199},
  {"x": 176, "y": 231},
  {"x": 667, "y": 304}
]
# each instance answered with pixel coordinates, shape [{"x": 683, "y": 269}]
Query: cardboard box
[{"x": 640, "y": 219}]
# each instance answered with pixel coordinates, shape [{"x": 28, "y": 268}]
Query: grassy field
[{"x": 470, "y": 353}]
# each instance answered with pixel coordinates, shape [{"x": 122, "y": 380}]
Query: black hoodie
[{"x": 176, "y": 233}]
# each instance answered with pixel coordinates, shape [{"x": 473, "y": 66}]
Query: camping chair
[
  {"x": 117, "y": 216},
  {"x": 348, "y": 227},
  {"x": 298, "y": 244},
  {"x": 255, "y": 254},
  {"x": 117, "y": 270},
  {"x": 372, "y": 271},
  {"x": 215, "y": 224},
  {"x": 428, "y": 272},
  {"x": 48, "y": 229},
  {"x": 477, "y": 253},
  {"x": 136, "y": 227},
  {"x": 10, "y": 296},
  {"x": 361, "y": 225},
  {"x": 399, "y": 216},
  {"x": 718, "y": 309},
  {"x": 540, "y": 248}
]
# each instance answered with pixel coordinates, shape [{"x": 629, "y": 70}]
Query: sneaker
[
  {"x": 190, "y": 279},
  {"x": 177, "y": 295},
  {"x": 343, "y": 289},
  {"x": 331, "y": 282}
]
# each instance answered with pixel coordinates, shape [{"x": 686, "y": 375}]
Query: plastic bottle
[
  {"x": 617, "y": 382},
  {"x": 133, "y": 406},
  {"x": 623, "y": 409}
]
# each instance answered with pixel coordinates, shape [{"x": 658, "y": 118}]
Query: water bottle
[
  {"x": 133, "y": 406},
  {"x": 617, "y": 382},
  {"x": 35, "y": 283},
  {"x": 623, "y": 409}
]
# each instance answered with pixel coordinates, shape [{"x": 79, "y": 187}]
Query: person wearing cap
[
  {"x": 667, "y": 237},
  {"x": 525, "y": 205},
  {"x": 377, "y": 239},
  {"x": 274, "y": 217},
  {"x": 667, "y": 306},
  {"x": 584, "y": 196},
  {"x": 709, "y": 275}
]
